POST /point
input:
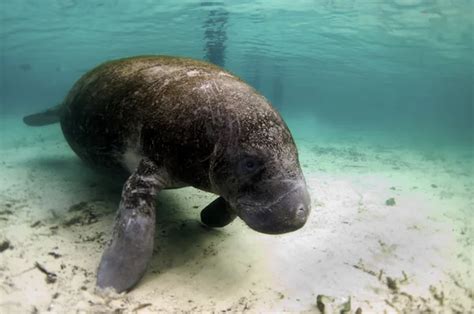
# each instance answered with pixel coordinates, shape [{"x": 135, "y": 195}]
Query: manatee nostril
[{"x": 300, "y": 209}]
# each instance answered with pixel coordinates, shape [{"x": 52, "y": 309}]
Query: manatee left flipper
[
  {"x": 125, "y": 261},
  {"x": 217, "y": 214}
]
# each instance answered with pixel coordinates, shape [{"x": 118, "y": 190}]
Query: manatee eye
[{"x": 249, "y": 165}]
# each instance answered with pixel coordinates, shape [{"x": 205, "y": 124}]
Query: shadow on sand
[{"x": 181, "y": 241}]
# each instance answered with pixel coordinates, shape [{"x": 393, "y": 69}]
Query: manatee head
[{"x": 257, "y": 170}]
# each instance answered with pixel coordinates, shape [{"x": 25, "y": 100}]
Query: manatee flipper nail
[
  {"x": 217, "y": 214},
  {"x": 125, "y": 261}
]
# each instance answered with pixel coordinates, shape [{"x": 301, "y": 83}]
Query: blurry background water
[{"x": 390, "y": 66}]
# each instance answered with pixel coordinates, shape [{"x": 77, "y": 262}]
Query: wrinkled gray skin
[{"x": 175, "y": 122}]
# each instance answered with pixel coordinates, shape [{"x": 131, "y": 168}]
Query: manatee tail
[{"x": 46, "y": 117}]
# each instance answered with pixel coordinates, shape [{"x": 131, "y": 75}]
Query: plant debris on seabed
[
  {"x": 50, "y": 276},
  {"x": 83, "y": 213},
  {"x": 390, "y": 202},
  {"x": 327, "y": 304},
  {"x": 5, "y": 245},
  {"x": 403, "y": 302}
]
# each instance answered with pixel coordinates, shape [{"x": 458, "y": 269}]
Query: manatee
[{"x": 171, "y": 122}]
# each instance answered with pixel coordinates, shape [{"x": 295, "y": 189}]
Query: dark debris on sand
[
  {"x": 84, "y": 213},
  {"x": 5, "y": 245},
  {"x": 403, "y": 302}
]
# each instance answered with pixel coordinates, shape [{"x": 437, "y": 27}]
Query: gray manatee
[{"x": 173, "y": 122}]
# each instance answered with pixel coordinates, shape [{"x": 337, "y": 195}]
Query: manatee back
[{"x": 104, "y": 112}]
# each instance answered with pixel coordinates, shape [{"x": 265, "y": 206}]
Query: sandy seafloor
[{"x": 415, "y": 255}]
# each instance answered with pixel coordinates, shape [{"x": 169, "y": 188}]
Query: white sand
[{"x": 350, "y": 247}]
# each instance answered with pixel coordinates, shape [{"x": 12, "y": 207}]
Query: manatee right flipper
[
  {"x": 217, "y": 214},
  {"x": 49, "y": 116},
  {"x": 125, "y": 261}
]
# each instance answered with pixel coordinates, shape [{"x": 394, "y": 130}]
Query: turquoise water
[
  {"x": 396, "y": 67},
  {"x": 379, "y": 97}
]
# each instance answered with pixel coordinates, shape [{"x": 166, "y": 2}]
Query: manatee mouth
[{"x": 287, "y": 213}]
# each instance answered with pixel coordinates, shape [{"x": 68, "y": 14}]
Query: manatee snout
[{"x": 287, "y": 210}]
